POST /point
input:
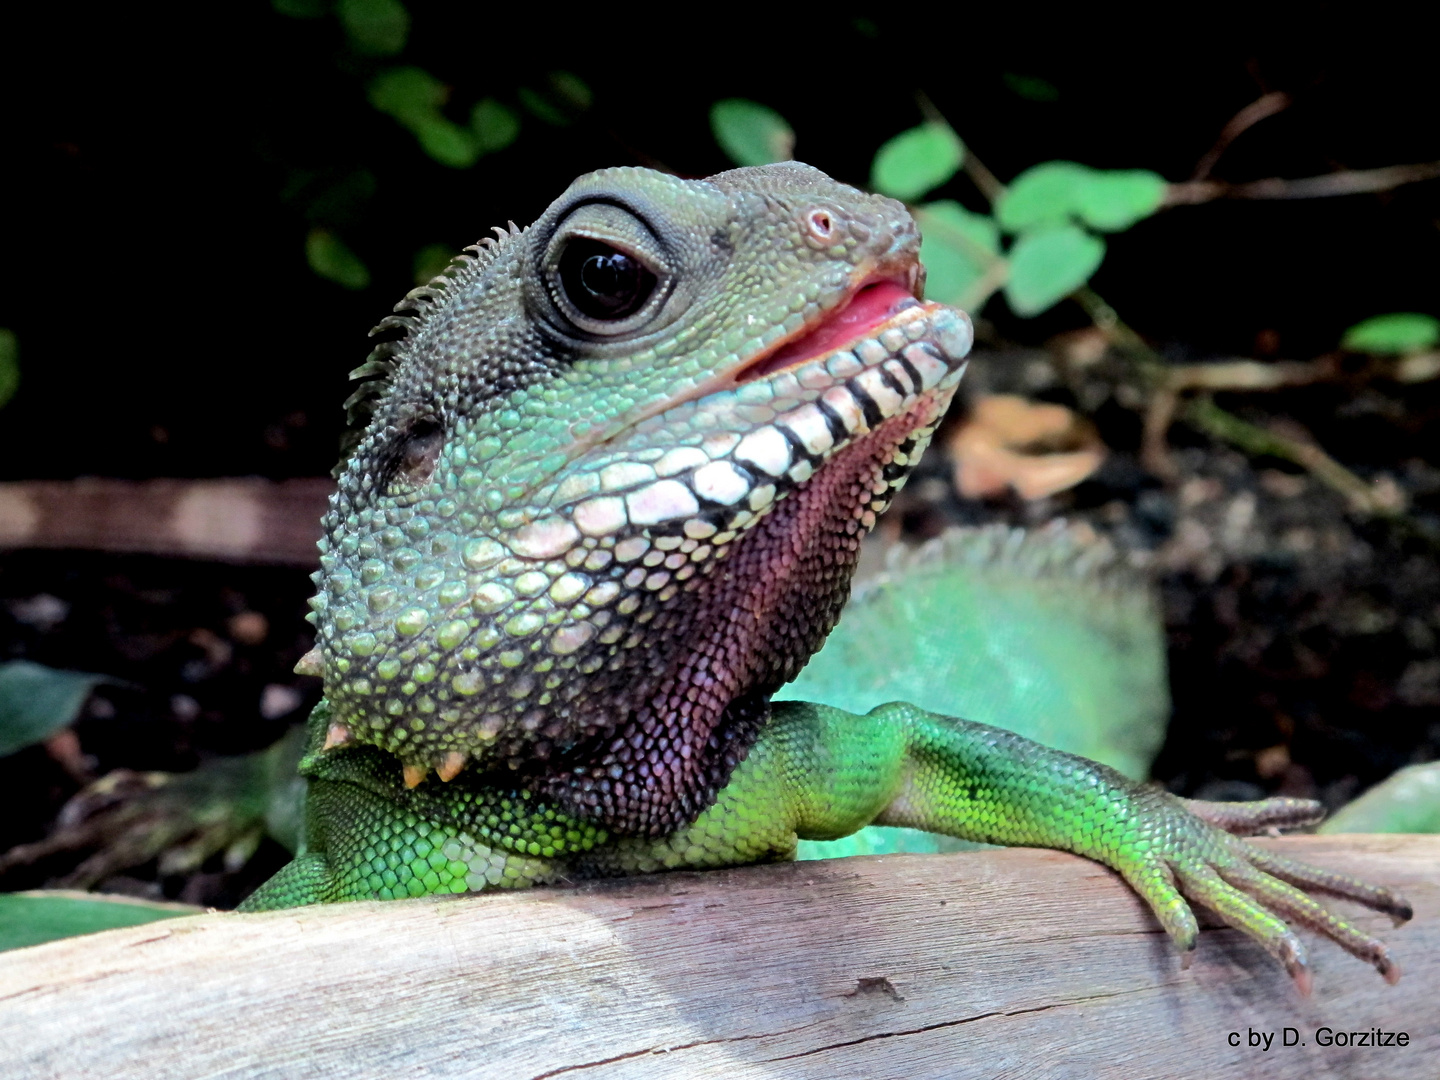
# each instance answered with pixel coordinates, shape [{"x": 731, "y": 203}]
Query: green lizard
[{"x": 609, "y": 502}]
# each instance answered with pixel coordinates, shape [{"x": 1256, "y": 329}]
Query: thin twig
[
  {"x": 1203, "y": 413},
  {"x": 989, "y": 185},
  {"x": 1250, "y": 374},
  {"x": 1154, "y": 438},
  {"x": 1263, "y": 107},
  {"x": 1345, "y": 182}
]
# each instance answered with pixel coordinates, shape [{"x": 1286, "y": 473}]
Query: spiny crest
[
  {"x": 1058, "y": 551},
  {"x": 418, "y": 306}
]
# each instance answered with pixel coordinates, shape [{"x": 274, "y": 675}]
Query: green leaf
[
  {"x": 1049, "y": 193},
  {"x": 375, "y": 27},
  {"x": 299, "y": 9},
  {"x": 32, "y": 918},
  {"x": 1112, "y": 200},
  {"x": 410, "y": 94},
  {"x": 916, "y": 161},
  {"x": 1048, "y": 264},
  {"x": 431, "y": 261},
  {"x": 541, "y": 107},
  {"x": 572, "y": 90},
  {"x": 1056, "y": 191},
  {"x": 1409, "y": 801},
  {"x": 1386, "y": 335},
  {"x": 958, "y": 248},
  {"x": 37, "y": 701},
  {"x": 751, "y": 133},
  {"x": 447, "y": 142},
  {"x": 494, "y": 125},
  {"x": 333, "y": 261},
  {"x": 9, "y": 365},
  {"x": 1030, "y": 87}
]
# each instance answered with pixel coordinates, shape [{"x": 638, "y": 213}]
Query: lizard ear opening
[{"x": 416, "y": 453}]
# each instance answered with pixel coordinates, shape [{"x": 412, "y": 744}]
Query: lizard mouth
[
  {"x": 728, "y": 453},
  {"x": 870, "y": 306}
]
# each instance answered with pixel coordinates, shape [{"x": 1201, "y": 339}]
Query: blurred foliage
[
  {"x": 1389, "y": 335},
  {"x": 9, "y": 365},
  {"x": 916, "y": 161},
  {"x": 430, "y": 261},
  {"x": 1031, "y": 87},
  {"x": 1408, "y": 802},
  {"x": 376, "y": 27},
  {"x": 959, "y": 249},
  {"x": 1048, "y": 263},
  {"x": 751, "y": 133},
  {"x": 332, "y": 260},
  {"x": 37, "y": 701},
  {"x": 422, "y": 104},
  {"x": 33, "y": 918},
  {"x": 1059, "y": 192}
]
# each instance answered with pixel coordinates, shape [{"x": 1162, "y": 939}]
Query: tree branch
[
  {"x": 1346, "y": 182},
  {"x": 1266, "y": 105},
  {"x": 909, "y": 965}
]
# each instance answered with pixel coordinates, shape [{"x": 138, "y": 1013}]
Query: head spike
[
  {"x": 312, "y": 663},
  {"x": 338, "y": 735},
  {"x": 414, "y": 774}
]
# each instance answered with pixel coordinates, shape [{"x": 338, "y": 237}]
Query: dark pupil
[{"x": 604, "y": 283}]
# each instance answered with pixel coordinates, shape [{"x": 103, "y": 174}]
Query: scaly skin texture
[{"x": 610, "y": 501}]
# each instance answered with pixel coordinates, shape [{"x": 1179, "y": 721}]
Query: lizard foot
[{"x": 1252, "y": 890}]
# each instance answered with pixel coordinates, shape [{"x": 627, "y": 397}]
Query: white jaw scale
[{"x": 707, "y": 469}]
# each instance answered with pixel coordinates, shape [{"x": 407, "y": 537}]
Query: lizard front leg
[
  {"x": 821, "y": 773},
  {"x": 369, "y": 837}
]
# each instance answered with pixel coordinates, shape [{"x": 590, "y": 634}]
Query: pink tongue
[{"x": 871, "y": 306}]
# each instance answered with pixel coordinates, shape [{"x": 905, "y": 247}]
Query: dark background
[{"x": 163, "y": 166}]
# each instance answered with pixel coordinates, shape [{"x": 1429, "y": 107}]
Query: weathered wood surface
[
  {"x": 244, "y": 519},
  {"x": 988, "y": 964}
]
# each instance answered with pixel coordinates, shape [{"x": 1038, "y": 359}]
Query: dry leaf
[{"x": 1036, "y": 449}]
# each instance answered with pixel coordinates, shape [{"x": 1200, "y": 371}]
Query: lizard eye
[{"x": 602, "y": 282}]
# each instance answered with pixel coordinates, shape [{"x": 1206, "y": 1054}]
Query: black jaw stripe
[
  {"x": 873, "y": 416},
  {"x": 838, "y": 431}
]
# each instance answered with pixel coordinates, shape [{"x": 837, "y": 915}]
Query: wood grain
[{"x": 986, "y": 964}]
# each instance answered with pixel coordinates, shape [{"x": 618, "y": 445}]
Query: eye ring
[{"x": 602, "y": 282}]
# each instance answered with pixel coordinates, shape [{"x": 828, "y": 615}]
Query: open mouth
[{"x": 870, "y": 306}]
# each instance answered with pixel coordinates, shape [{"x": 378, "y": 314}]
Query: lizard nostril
[{"x": 820, "y": 224}]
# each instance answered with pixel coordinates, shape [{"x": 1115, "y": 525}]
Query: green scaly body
[{"x": 610, "y": 501}]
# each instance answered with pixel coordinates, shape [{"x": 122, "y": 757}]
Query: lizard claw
[
  {"x": 1253, "y": 890},
  {"x": 450, "y": 767},
  {"x": 414, "y": 774},
  {"x": 338, "y": 735}
]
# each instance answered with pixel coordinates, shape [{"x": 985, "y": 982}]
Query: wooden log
[
  {"x": 985, "y": 964},
  {"x": 245, "y": 519}
]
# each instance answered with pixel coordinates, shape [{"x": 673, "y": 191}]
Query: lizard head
[{"x": 616, "y": 478}]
